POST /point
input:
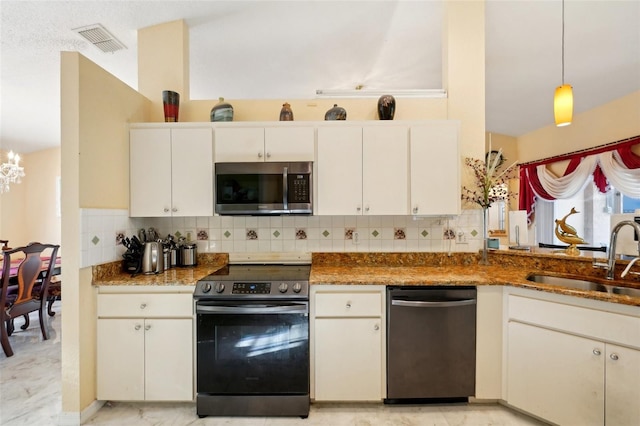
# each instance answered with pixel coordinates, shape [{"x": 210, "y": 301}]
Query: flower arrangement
[{"x": 491, "y": 183}]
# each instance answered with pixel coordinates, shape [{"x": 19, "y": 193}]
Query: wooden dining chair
[{"x": 25, "y": 290}]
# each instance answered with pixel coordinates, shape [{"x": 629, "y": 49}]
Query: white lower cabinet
[
  {"x": 145, "y": 347},
  {"x": 348, "y": 343},
  {"x": 555, "y": 376},
  {"x": 562, "y": 365}
]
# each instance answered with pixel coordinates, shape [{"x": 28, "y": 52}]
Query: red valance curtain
[{"x": 617, "y": 158}]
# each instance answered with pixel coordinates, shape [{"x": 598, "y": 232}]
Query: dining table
[{"x": 13, "y": 271}]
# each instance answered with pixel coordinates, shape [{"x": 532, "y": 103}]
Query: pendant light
[{"x": 563, "y": 99}]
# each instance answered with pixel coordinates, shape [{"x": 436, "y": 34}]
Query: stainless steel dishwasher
[{"x": 431, "y": 343}]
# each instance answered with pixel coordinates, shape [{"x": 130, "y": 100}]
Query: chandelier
[{"x": 10, "y": 172}]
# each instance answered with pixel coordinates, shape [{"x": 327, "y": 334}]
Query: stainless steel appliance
[
  {"x": 267, "y": 188},
  {"x": 431, "y": 344},
  {"x": 188, "y": 254},
  {"x": 252, "y": 334},
  {"x": 152, "y": 258}
]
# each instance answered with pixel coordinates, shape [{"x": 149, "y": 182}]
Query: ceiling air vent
[{"x": 98, "y": 35}]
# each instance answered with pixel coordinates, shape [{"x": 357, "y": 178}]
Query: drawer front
[
  {"x": 138, "y": 305},
  {"x": 348, "y": 304},
  {"x": 606, "y": 326}
]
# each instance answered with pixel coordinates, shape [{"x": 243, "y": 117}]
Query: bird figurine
[{"x": 568, "y": 234}]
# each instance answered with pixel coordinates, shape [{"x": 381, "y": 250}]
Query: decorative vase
[
  {"x": 222, "y": 111},
  {"x": 386, "y": 107},
  {"x": 285, "y": 113},
  {"x": 484, "y": 259},
  {"x": 336, "y": 113},
  {"x": 171, "y": 104}
]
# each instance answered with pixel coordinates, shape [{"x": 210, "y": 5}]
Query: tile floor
[{"x": 30, "y": 395}]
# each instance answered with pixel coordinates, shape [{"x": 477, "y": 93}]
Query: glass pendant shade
[{"x": 563, "y": 105}]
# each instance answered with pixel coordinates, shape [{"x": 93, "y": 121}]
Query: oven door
[{"x": 252, "y": 347}]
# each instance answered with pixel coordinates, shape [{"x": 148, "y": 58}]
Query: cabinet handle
[
  {"x": 259, "y": 155},
  {"x": 366, "y": 209},
  {"x": 137, "y": 327},
  {"x": 415, "y": 210},
  {"x": 147, "y": 327},
  {"x": 614, "y": 356},
  {"x": 143, "y": 305},
  {"x": 166, "y": 210},
  {"x": 376, "y": 327},
  {"x": 349, "y": 305},
  {"x": 268, "y": 155},
  {"x": 359, "y": 208},
  {"x": 175, "y": 209},
  {"x": 597, "y": 352}
]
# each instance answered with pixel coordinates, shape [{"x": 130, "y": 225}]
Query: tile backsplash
[{"x": 103, "y": 230}]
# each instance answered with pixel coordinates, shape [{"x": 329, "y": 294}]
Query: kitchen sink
[{"x": 583, "y": 284}]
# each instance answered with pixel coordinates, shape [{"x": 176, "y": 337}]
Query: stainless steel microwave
[{"x": 264, "y": 188}]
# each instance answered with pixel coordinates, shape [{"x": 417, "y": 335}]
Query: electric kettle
[{"x": 152, "y": 258}]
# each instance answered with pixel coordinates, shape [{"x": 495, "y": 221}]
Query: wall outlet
[
  {"x": 461, "y": 237},
  {"x": 356, "y": 237}
]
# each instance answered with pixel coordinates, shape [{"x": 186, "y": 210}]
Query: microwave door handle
[{"x": 285, "y": 190}]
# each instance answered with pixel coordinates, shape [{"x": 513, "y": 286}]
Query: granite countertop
[
  {"x": 505, "y": 268},
  {"x": 111, "y": 274}
]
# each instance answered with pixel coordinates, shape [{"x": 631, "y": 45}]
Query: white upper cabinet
[
  {"x": 362, "y": 170},
  {"x": 289, "y": 143},
  {"x": 258, "y": 144},
  {"x": 339, "y": 169},
  {"x": 385, "y": 170},
  {"x": 171, "y": 172},
  {"x": 435, "y": 169},
  {"x": 238, "y": 144}
]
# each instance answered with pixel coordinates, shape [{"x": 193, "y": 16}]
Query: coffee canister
[{"x": 188, "y": 254}]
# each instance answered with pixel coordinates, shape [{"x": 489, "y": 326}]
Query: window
[{"x": 593, "y": 223}]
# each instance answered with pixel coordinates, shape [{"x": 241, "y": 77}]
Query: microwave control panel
[{"x": 299, "y": 188}]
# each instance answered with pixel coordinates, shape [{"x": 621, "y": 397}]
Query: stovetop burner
[{"x": 255, "y": 281}]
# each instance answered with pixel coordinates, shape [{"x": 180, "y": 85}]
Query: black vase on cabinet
[
  {"x": 336, "y": 113},
  {"x": 286, "y": 114},
  {"x": 386, "y": 107}
]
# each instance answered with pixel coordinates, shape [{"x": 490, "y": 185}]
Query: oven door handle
[{"x": 253, "y": 309}]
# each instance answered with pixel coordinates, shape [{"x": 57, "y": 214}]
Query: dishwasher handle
[{"x": 429, "y": 304}]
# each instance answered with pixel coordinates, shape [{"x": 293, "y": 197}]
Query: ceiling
[{"x": 287, "y": 49}]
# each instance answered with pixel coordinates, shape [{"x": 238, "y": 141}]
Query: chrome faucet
[{"x": 611, "y": 261}]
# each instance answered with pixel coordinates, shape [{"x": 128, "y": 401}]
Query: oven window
[
  {"x": 258, "y": 353},
  {"x": 249, "y": 188}
]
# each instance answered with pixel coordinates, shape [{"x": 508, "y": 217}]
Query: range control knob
[
  {"x": 206, "y": 287},
  {"x": 283, "y": 287},
  {"x": 219, "y": 287},
  {"x": 297, "y": 287}
]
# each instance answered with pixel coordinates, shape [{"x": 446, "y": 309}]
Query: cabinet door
[
  {"x": 289, "y": 143},
  {"x": 348, "y": 359},
  {"x": 120, "y": 359},
  {"x": 622, "y": 405},
  {"x": 150, "y": 172},
  {"x": 556, "y": 376},
  {"x": 385, "y": 170},
  {"x": 237, "y": 144},
  {"x": 339, "y": 171},
  {"x": 435, "y": 169},
  {"x": 192, "y": 172},
  {"x": 169, "y": 359}
]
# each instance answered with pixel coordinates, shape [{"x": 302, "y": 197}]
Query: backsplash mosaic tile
[{"x": 228, "y": 234}]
